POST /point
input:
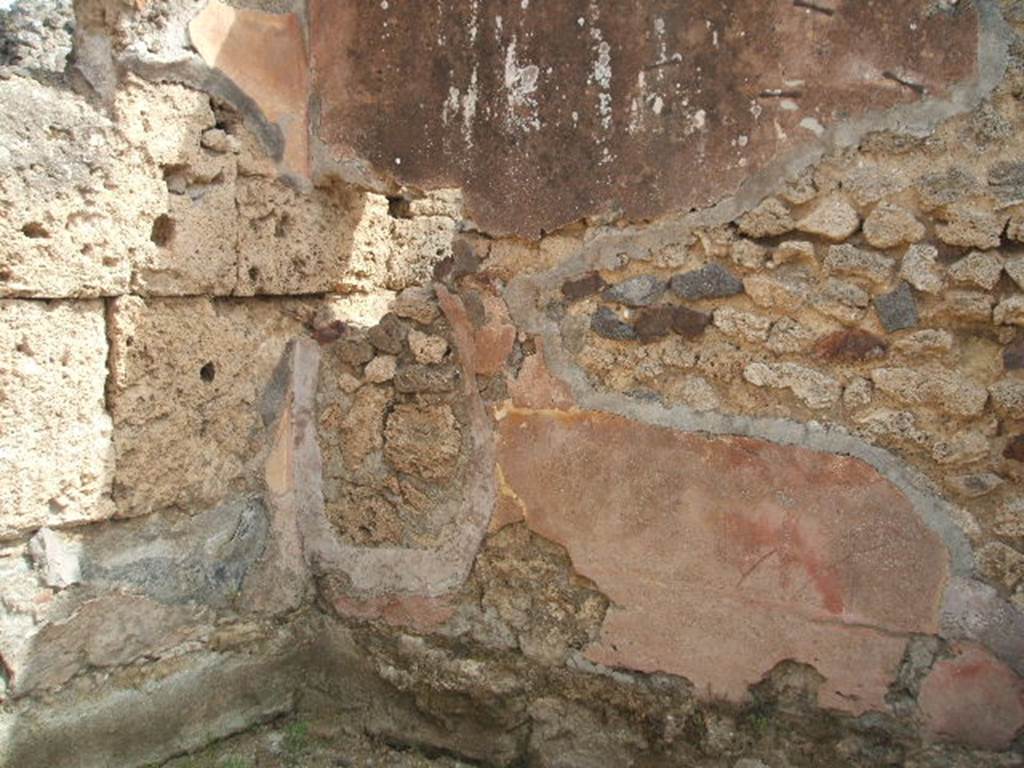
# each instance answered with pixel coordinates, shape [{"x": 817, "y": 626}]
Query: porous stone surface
[
  {"x": 219, "y": 359},
  {"x": 889, "y": 225},
  {"x": 75, "y": 195},
  {"x": 833, "y": 219},
  {"x": 56, "y": 444}
]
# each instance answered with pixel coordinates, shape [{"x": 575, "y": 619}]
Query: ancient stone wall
[{"x": 566, "y": 384}]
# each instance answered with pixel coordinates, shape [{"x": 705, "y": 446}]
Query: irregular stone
[
  {"x": 945, "y": 187},
  {"x": 941, "y": 388},
  {"x": 964, "y": 447},
  {"x": 847, "y": 259},
  {"x": 852, "y": 345},
  {"x": 769, "y": 219},
  {"x": 974, "y": 485},
  {"x": 388, "y": 336},
  {"x": 380, "y": 369},
  {"x": 742, "y": 325},
  {"x": 638, "y": 291},
  {"x": 814, "y": 389},
  {"x": 426, "y": 349},
  {"x": 56, "y": 454},
  {"x": 417, "y": 303},
  {"x": 56, "y": 558},
  {"x": 980, "y": 269},
  {"x": 1001, "y": 564},
  {"x": 581, "y": 287},
  {"x": 1009, "y": 311},
  {"x": 857, "y": 393},
  {"x": 605, "y": 322},
  {"x": 709, "y": 282},
  {"x": 889, "y": 225},
  {"x": 788, "y": 336},
  {"x": 805, "y": 569},
  {"x": 924, "y": 343},
  {"x": 967, "y": 227},
  {"x": 785, "y": 291},
  {"x": 867, "y": 184},
  {"x": 218, "y": 358},
  {"x": 689, "y": 323},
  {"x": 973, "y": 698},
  {"x": 434, "y": 379},
  {"x": 1009, "y": 520},
  {"x": 897, "y": 310},
  {"x": 1014, "y": 267},
  {"x": 842, "y": 300},
  {"x": 833, "y": 219},
  {"x": 1008, "y": 397},
  {"x": 1014, "y": 449},
  {"x": 747, "y": 254},
  {"x": 423, "y": 441},
  {"x": 919, "y": 268},
  {"x": 653, "y": 322},
  {"x": 964, "y": 306},
  {"x": 792, "y": 251},
  {"x": 898, "y": 425}
]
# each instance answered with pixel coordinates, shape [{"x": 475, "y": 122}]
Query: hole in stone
[
  {"x": 254, "y": 273},
  {"x": 208, "y": 372},
  {"x": 35, "y": 230},
  {"x": 163, "y": 230},
  {"x": 399, "y": 208},
  {"x": 281, "y": 228}
]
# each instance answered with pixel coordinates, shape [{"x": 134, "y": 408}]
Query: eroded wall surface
[{"x": 542, "y": 383}]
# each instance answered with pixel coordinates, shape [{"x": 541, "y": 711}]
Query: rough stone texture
[
  {"x": 973, "y": 698},
  {"x": 1008, "y": 397},
  {"x": 833, "y": 219},
  {"x": 939, "y": 388},
  {"x": 970, "y": 228},
  {"x": 889, "y": 225},
  {"x": 793, "y": 575},
  {"x": 423, "y": 441},
  {"x": 978, "y": 269},
  {"x": 919, "y": 268},
  {"x": 710, "y": 282},
  {"x": 76, "y": 195},
  {"x": 813, "y": 388},
  {"x": 218, "y": 358},
  {"x": 770, "y": 219},
  {"x": 55, "y": 445},
  {"x": 857, "y": 262},
  {"x": 486, "y": 106}
]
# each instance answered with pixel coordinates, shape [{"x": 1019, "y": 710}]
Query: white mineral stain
[
  {"x": 811, "y": 124},
  {"x": 521, "y": 84}
]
